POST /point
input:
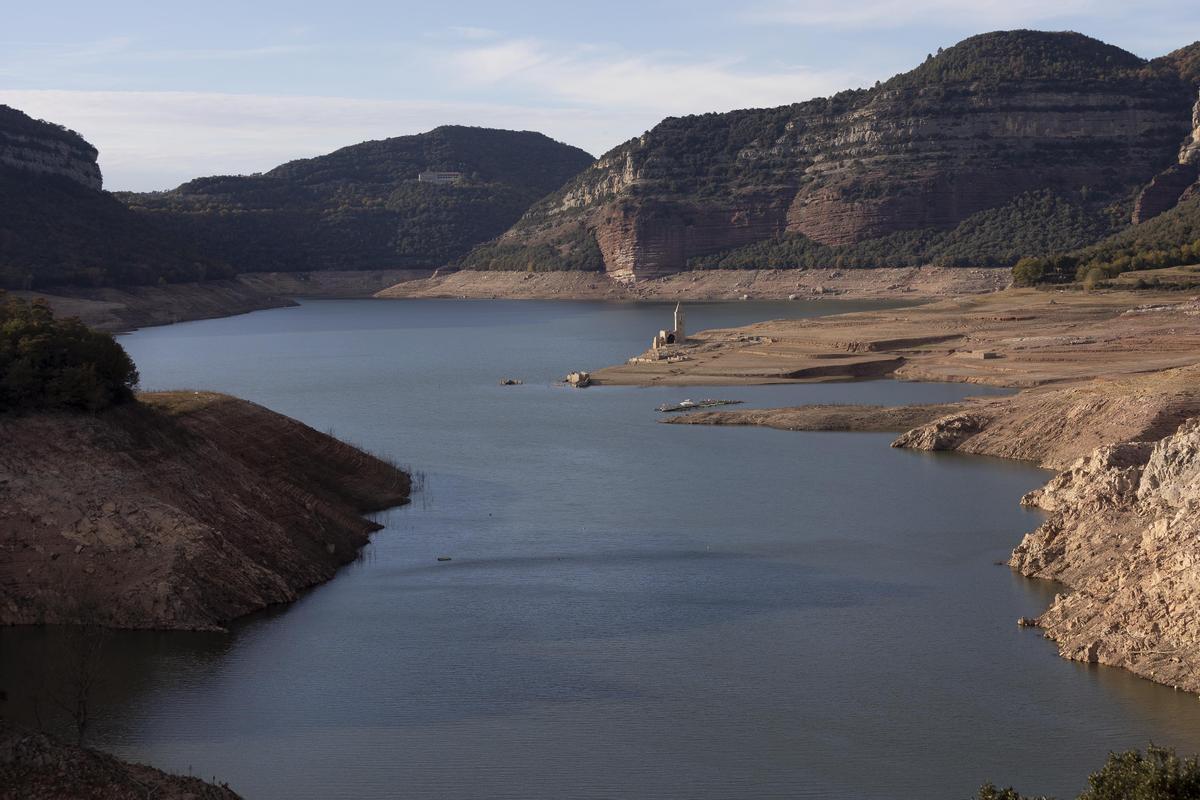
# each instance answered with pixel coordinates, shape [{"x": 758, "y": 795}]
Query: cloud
[
  {"x": 589, "y": 96},
  {"x": 896, "y": 13},
  {"x": 599, "y": 77},
  {"x": 472, "y": 32},
  {"x": 157, "y": 140}
]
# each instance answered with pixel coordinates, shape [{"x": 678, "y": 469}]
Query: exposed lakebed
[{"x": 632, "y": 609}]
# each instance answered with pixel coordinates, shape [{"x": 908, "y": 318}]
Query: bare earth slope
[
  {"x": 184, "y": 511},
  {"x": 34, "y": 766}
]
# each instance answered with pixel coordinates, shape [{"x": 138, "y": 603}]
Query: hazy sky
[{"x": 172, "y": 90}]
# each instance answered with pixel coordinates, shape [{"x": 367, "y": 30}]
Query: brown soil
[
  {"x": 34, "y": 766},
  {"x": 184, "y": 510}
]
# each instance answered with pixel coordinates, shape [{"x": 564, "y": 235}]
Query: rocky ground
[
  {"x": 34, "y": 766},
  {"x": 1111, "y": 400},
  {"x": 1122, "y": 533},
  {"x": 182, "y": 511},
  {"x": 710, "y": 285}
]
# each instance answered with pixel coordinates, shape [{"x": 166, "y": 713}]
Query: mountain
[
  {"x": 364, "y": 207},
  {"x": 1007, "y": 144},
  {"x": 58, "y": 226}
]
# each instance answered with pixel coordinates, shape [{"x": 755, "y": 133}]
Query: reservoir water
[{"x": 632, "y": 609}]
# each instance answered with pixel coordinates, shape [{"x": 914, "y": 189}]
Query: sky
[{"x": 170, "y": 90}]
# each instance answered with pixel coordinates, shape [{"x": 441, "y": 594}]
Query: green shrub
[
  {"x": 47, "y": 363},
  {"x": 1157, "y": 775}
]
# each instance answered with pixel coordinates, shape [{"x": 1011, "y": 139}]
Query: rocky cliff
[
  {"x": 42, "y": 147},
  {"x": 995, "y": 117},
  {"x": 1122, "y": 533},
  {"x": 364, "y": 206},
  {"x": 181, "y": 511},
  {"x": 1179, "y": 180}
]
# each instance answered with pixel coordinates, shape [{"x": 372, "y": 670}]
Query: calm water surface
[{"x": 632, "y": 609}]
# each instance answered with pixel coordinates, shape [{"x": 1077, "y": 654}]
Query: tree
[{"x": 47, "y": 363}]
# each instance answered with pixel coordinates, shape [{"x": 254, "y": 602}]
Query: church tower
[{"x": 680, "y": 333}]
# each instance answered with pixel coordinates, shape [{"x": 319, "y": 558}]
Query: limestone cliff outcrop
[
  {"x": 42, "y": 147},
  {"x": 974, "y": 127},
  {"x": 1177, "y": 182},
  {"x": 182, "y": 511},
  {"x": 1122, "y": 534}
]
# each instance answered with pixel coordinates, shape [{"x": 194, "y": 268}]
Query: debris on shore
[{"x": 580, "y": 380}]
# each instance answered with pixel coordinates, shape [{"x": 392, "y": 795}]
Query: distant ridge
[
  {"x": 362, "y": 207},
  {"x": 1007, "y": 144}
]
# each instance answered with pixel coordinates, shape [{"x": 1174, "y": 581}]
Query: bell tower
[{"x": 680, "y": 332}]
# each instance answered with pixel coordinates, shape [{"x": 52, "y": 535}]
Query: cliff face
[
  {"x": 1179, "y": 181},
  {"x": 363, "y": 207},
  {"x": 1122, "y": 534},
  {"x": 183, "y": 511},
  {"x": 35, "y": 146},
  {"x": 974, "y": 127}
]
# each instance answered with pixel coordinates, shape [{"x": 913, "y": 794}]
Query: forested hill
[
  {"x": 364, "y": 207},
  {"x": 1007, "y": 144},
  {"x": 58, "y": 226}
]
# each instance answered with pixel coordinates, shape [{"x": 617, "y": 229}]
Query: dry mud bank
[
  {"x": 710, "y": 285},
  {"x": 1015, "y": 338},
  {"x": 182, "y": 511},
  {"x": 1112, "y": 402}
]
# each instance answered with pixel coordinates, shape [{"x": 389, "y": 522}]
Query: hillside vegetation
[
  {"x": 56, "y": 232},
  {"x": 1171, "y": 239},
  {"x": 1036, "y": 222},
  {"x": 362, "y": 207}
]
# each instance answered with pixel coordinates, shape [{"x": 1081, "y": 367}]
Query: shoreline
[
  {"x": 1109, "y": 398},
  {"x": 123, "y": 309}
]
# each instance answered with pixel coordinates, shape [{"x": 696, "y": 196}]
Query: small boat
[{"x": 691, "y": 405}]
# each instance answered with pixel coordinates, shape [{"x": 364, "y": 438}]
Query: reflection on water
[{"x": 632, "y": 609}]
